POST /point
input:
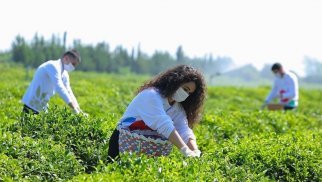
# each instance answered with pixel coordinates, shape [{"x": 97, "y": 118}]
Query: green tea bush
[
  {"x": 82, "y": 136},
  {"x": 9, "y": 168},
  {"x": 238, "y": 142},
  {"x": 291, "y": 157},
  {"x": 229, "y": 125},
  {"x": 268, "y": 157},
  {"x": 40, "y": 159}
]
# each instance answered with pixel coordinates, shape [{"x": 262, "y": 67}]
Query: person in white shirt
[
  {"x": 286, "y": 88},
  {"x": 170, "y": 105},
  {"x": 49, "y": 78}
]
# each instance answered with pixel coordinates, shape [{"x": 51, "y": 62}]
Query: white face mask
[
  {"x": 278, "y": 75},
  {"x": 180, "y": 95},
  {"x": 69, "y": 67}
]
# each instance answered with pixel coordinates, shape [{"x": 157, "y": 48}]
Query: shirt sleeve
[
  {"x": 290, "y": 94},
  {"x": 56, "y": 78},
  {"x": 149, "y": 107},
  {"x": 69, "y": 89},
  {"x": 183, "y": 129},
  {"x": 273, "y": 94}
]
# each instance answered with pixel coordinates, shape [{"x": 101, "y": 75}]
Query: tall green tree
[
  {"x": 21, "y": 52},
  {"x": 101, "y": 58},
  {"x": 180, "y": 55}
]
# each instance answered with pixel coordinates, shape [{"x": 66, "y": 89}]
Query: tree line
[{"x": 101, "y": 58}]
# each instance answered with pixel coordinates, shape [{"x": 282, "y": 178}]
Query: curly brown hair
[{"x": 170, "y": 80}]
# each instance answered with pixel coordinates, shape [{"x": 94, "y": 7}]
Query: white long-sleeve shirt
[
  {"x": 49, "y": 78},
  {"x": 288, "y": 86},
  {"x": 158, "y": 114}
]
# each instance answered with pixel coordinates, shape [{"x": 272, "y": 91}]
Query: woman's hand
[
  {"x": 188, "y": 153},
  {"x": 189, "y": 150},
  {"x": 197, "y": 152}
]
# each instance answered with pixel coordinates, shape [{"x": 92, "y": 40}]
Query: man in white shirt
[
  {"x": 51, "y": 77},
  {"x": 285, "y": 88}
]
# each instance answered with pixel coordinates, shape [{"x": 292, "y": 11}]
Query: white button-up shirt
[{"x": 49, "y": 78}]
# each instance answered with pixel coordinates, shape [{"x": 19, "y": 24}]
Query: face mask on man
[
  {"x": 278, "y": 75},
  {"x": 69, "y": 67},
  {"x": 180, "y": 95}
]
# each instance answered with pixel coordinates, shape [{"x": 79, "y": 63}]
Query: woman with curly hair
[{"x": 169, "y": 105}]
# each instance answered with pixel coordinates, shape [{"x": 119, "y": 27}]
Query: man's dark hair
[
  {"x": 276, "y": 66},
  {"x": 74, "y": 54}
]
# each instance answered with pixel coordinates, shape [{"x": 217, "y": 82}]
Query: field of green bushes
[{"x": 239, "y": 142}]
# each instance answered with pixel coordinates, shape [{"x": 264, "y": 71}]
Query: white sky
[{"x": 248, "y": 31}]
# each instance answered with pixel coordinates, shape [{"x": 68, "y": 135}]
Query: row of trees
[{"x": 102, "y": 58}]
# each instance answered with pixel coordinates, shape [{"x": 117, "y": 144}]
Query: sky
[{"x": 249, "y": 31}]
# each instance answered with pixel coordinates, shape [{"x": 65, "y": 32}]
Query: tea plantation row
[{"x": 239, "y": 142}]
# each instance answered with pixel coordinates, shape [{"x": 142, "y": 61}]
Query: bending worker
[
  {"x": 51, "y": 77},
  {"x": 285, "y": 88}
]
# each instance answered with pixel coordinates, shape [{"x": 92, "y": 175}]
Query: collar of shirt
[{"x": 167, "y": 106}]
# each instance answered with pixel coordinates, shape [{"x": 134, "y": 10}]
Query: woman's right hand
[
  {"x": 176, "y": 140},
  {"x": 188, "y": 153}
]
